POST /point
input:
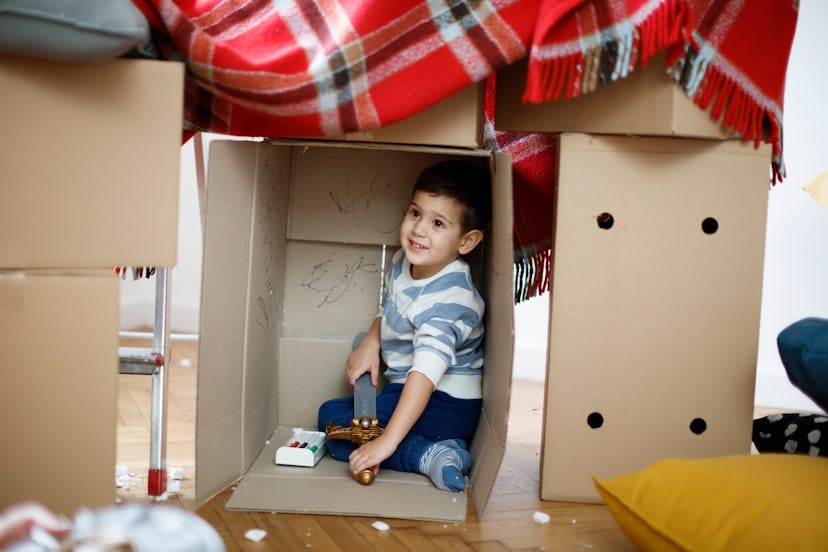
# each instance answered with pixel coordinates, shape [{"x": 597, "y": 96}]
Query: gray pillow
[{"x": 71, "y": 30}]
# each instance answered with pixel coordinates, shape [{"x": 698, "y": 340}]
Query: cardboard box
[
  {"x": 647, "y": 102},
  {"x": 293, "y": 259},
  {"x": 654, "y": 321},
  {"x": 58, "y": 388},
  {"x": 456, "y": 121},
  {"x": 89, "y": 162}
]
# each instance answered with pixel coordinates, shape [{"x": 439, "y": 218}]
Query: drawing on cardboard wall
[
  {"x": 331, "y": 284},
  {"x": 352, "y": 198},
  {"x": 266, "y": 303}
]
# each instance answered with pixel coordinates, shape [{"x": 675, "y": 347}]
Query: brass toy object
[{"x": 362, "y": 430}]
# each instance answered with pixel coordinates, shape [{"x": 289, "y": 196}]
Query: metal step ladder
[{"x": 155, "y": 361}]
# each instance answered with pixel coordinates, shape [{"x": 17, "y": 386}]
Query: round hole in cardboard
[
  {"x": 710, "y": 225},
  {"x": 595, "y": 420},
  {"x": 605, "y": 221},
  {"x": 698, "y": 426}
]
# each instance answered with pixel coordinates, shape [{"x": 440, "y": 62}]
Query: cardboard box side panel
[
  {"x": 654, "y": 321},
  {"x": 224, "y": 292},
  {"x": 217, "y": 468},
  {"x": 100, "y": 188},
  {"x": 266, "y": 294},
  {"x": 356, "y": 195},
  {"x": 671, "y": 187},
  {"x": 321, "y": 377},
  {"x": 58, "y": 389},
  {"x": 331, "y": 290},
  {"x": 497, "y": 376},
  {"x": 456, "y": 121},
  {"x": 647, "y": 102}
]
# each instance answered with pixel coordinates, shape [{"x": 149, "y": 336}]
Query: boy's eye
[
  {"x": 414, "y": 213},
  {"x": 438, "y": 223}
]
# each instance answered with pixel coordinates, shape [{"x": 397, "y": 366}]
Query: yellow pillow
[{"x": 745, "y": 502}]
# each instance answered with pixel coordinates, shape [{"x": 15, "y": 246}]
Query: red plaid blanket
[{"x": 325, "y": 67}]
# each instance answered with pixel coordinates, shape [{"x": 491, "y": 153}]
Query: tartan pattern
[{"x": 326, "y": 67}]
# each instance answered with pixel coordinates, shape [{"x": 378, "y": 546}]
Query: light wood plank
[{"x": 506, "y": 526}]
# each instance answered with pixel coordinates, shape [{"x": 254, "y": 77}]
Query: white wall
[
  {"x": 796, "y": 259},
  {"x": 796, "y": 256}
]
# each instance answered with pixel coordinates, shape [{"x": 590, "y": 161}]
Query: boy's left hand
[{"x": 371, "y": 454}]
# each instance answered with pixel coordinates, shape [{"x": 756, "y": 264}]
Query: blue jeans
[{"x": 444, "y": 417}]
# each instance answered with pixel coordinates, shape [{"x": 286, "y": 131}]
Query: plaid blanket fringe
[
  {"x": 587, "y": 62},
  {"x": 732, "y": 104},
  {"x": 532, "y": 268},
  {"x": 716, "y": 49}
]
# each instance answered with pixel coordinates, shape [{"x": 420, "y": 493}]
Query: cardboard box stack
[
  {"x": 297, "y": 234},
  {"x": 89, "y": 164},
  {"x": 656, "y": 281}
]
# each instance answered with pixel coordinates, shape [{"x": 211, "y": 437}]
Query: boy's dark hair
[{"x": 467, "y": 183}]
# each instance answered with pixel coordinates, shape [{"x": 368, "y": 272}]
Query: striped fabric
[{"x": 433, "y": 326}]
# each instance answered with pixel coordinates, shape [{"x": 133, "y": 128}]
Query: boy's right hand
[{"x": 364, "y": 358}]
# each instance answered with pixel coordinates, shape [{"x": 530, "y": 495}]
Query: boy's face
[{"x": 431, "y": 233}]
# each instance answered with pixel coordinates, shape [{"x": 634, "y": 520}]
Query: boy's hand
[
  {"x": 364, "y": 358},
  {"x": 371, "y": 454}
]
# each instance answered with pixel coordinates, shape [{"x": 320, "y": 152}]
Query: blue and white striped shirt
[{"x": 434, "y": 326}]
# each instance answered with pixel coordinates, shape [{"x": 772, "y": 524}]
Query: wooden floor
[{"x": 507, "y": 524}]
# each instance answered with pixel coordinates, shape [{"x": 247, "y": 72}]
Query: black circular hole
[
  {"x": 698, "y": 426},
  {"x": 605, "y": 221},
  {"x": 710, "y": 225},
  {"x": 595, "y": 420}
]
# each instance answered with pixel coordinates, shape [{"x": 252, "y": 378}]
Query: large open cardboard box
[
  {"x": 654, "y": 320},
  {"x": 647, "y": 102},
  {"x": 293, "y": 258},
  {"x": 58, "y": 388},
  {"x": 89, "y": 162}
]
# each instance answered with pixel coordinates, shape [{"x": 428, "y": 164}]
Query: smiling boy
[{"x": 429, "y": 335}]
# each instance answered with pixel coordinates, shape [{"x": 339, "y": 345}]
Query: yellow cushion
[{"x": 744, "y": 502}]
